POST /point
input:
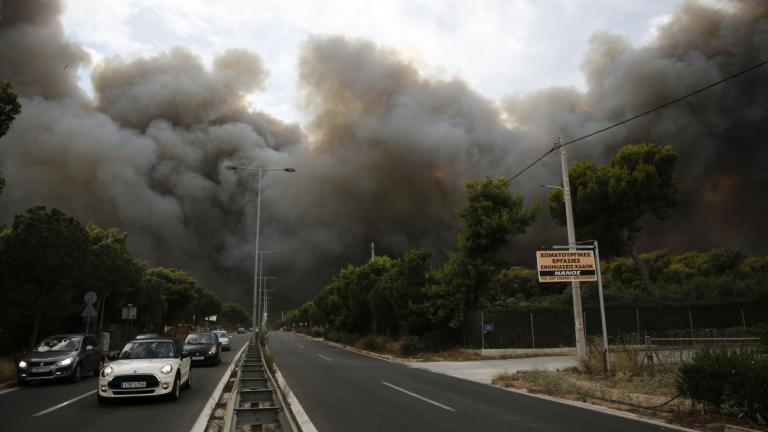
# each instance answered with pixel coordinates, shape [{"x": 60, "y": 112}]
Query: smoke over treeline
[{"x": 386, "y": 152}]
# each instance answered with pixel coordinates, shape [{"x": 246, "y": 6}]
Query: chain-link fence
[{"x": 554, "y": 327}]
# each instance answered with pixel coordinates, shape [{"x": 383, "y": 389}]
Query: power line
[{"x": 589, "y": 135}]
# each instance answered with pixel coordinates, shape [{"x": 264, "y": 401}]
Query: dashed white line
[
  {"x": 445, "y": 407},
  {"x": 63, "y": 404},
  {"x": 2, "y": 392},
  {"x": 322, "y": 356}
]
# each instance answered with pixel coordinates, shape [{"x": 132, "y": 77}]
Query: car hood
[
  {"x": 198, "y": 349},
  {"x": 49, "y": 355},
  {"x": 141, "y": 365}
]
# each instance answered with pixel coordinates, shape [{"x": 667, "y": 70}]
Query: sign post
[
  {"x": 583, "y": 264},
  {"x": 89, "y": 312}
]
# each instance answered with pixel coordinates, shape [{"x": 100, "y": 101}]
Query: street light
[{"x": 258, "y": 220}]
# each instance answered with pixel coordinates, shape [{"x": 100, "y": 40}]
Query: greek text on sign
[{"x": 566, "y": 266}]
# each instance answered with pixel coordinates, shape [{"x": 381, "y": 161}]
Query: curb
[
  {"x": 205, "y": 414},
  {"x": 304, "y": 423},
  {"x": 7, "y": 385}
]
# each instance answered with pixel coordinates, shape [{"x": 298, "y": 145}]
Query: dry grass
[
  {"x": 616, "y": 392},
  {"x": 7, "y": 370}
]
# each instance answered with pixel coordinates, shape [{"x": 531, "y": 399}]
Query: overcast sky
[{"x": 500, "y": 47}]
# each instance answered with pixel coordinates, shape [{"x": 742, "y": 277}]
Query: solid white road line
[
  {"x": 418, "y": 396},
  {"x": 63, "y": 404},
  {"x": 2, "y": 392},
  {"x": 322, "y": 356},
  {"x": 205, "y": 414}
]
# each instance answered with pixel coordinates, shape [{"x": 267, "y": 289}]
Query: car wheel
[
  {"x": 188, "y": 384},
  {"x": 77, "y": 374},
  {"x": 176, "y": 390}
]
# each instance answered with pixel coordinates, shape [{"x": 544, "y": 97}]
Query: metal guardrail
[{"x": 258, "y": 405}]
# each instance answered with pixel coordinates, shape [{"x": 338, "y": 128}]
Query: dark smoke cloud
[{"x": 386, "y": 152}]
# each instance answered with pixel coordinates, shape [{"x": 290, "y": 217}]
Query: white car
[
  {"x": 147, "y": 367},
  {"x": 226, "y": 342}
]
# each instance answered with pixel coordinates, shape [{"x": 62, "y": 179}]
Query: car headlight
[
  {"x": 107, "y": 371},
  {"x": 66, "y": 362},
  {"x": 22, "y": 364},
  {"x": 212, "y": 351},
  {"x": 166, "y": 369}
]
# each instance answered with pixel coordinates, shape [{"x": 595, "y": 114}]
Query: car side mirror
[{"x": 184, "y": 355}]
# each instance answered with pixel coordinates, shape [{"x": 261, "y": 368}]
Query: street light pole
[{"x": 256, "y": 272}]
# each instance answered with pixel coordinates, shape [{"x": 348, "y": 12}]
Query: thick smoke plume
[{"x": 386, "y": 152}]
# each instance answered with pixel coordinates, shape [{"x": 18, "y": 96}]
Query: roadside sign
[
  {"x": 566, "y": 266},
  {"x": 129, "y": 312},
  {"x": 89, "y": 312},
  {"x": 90, "y": 297}
]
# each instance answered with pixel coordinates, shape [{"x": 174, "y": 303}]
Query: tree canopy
[{"x": 610, "y": 201}]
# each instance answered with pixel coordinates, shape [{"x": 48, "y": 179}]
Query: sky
[{"x": 499, "y": 47}]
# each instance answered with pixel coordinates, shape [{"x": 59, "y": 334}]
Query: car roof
[
  {"x": 67, "y": 335},
  {"x": 201, "y": 332},
  {"x": 155, "y": 339}
]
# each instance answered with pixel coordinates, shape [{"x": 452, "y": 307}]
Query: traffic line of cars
[{"x": 149, "y": 365}]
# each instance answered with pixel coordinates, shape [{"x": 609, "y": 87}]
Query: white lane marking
[
  {"x": 445, "y": 407},
  {"x": 300, "y": 346},
  {"x": 205, "y": 414},
  {"x": 322, "y": 356},
  {"x": 2, "y": 392},
  {"x": 63, "y": 404}
]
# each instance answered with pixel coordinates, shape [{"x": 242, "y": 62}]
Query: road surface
[{"x": 345, "y": 391}]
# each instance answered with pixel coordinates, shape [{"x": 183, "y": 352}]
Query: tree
[
  {"x": 234, "y": 314},
  {"x": 610, "y": 201},
  {"x": 41, "y": 258},
  {"x": 9, "y": 109},
  {"x": 112, "y": 272},
  {"x": 179, "y": 291},
  {"x": 492, "y": 217},
  {"x": 207, "y": 304}
]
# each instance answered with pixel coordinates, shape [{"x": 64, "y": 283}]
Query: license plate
[
  {"x": 133, "y": 384},
  {"x": 41, "y": 369},
  {"x": 198, "y": 358}
]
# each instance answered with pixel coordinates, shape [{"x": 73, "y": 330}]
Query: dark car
[
  {"x": 60, "y": 357},
  {"x": 203, "y": 347}
]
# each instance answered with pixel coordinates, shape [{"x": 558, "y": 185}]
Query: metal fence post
[
  {"x": 533, "y": 334},
  {"x": 482, "y": 331},
  {"x": 743, "y": 320},
  {"x": 690, "y": 320},
  {"x": 637, "y": 319}
]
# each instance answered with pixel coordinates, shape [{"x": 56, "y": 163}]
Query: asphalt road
[
  {"x": 345, "y": 391},
  {"x": 29, "y": 408}
]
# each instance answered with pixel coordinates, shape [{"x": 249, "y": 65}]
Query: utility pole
[{"x": 581, "y": 340}]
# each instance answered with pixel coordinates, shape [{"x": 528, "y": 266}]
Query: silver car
[{"x": 226, "y": 342}]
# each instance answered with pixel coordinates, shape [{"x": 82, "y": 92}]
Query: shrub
[
  {"x": 436, "y": 340},
  {"x": 410, "y": 346},
  {"x": 333, "y": 336},
  {"x": 317, "y": 332},
  {"x": 732, "y": 382},
  {"x": 369, "y": 343}
]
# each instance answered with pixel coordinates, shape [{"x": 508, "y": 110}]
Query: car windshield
[
  {"x": 199, "y": 339},
  {"x": 59, "y": 343},
  {"x": 221, "y": 334},
  {"x": 147, "y": 350}
]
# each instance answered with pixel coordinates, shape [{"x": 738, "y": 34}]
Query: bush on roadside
[
  {"x": 333, "y": 336},
  {"x": 317, "y": 332},
  {"x": 437, "y": 340},
  {"x": 733, "y": 382},
  {"x": 410, "y": 346}
]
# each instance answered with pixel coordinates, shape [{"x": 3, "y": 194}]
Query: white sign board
[{"x": 566, "y": 266}]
